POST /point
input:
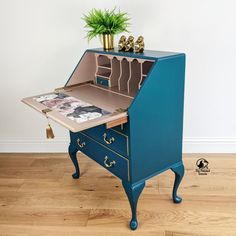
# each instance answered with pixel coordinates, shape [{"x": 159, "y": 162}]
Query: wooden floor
[{"x": 39, "y": 197}]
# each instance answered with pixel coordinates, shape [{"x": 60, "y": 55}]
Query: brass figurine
[
  {"x": 129, "y": 45},
  {"x": 122, "y": 42},
  {"x": 139, "y": 44}
]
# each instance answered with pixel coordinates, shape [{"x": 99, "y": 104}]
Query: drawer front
[
  {"x": 110, "y": 138},
  {"x": 115, "y": 163},
  {"x": 123, "y": 129},
  {"x": 102, "y": 81}
]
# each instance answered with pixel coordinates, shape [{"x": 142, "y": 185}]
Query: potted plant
[{"x": 106, "y": 23}]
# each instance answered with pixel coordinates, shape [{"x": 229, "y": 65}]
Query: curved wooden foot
[
  {"x": 179, "y": 173},
  {"x": 72, "y": 152},
  {"x": 133, "y": 192}
]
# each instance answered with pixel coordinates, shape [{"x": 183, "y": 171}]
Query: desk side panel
[
  {"x": 84, "y": 70},
  {"x": 156, "y": 119}
]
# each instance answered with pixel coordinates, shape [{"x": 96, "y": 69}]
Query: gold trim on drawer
[
  {"x": 127, "y": 140},
  {"x": 119, "y": 132},
  {"x": 109, "y": 150}
]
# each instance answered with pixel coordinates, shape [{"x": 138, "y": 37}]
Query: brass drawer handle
[
  {"x": 80, "y": 144},
  {"x": 110, "y": 164},
  {"x": 108, "y": 141}
]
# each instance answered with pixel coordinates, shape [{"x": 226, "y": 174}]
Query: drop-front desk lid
[{"x": 83, "y": 106}]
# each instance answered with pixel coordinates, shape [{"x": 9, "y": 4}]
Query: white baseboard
[
  {"x": 209, "y": 145},
  {"x": 34, "y": 146},
  {"x": 190, "y": 145}
]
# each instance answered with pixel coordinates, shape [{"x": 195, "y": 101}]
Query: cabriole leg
[
  {"x": 72, "y": 152},
  {"x": 133, "y": 192},
  {"x": 179, "y": 173}
]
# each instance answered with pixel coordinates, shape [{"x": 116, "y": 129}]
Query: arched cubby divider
[
  {"x": 115, "y": 72},
  {"x": 124, "y": 75},
  {"x": 135, "y": 76}
]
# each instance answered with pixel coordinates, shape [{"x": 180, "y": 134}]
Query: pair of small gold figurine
[{"x": 129, "y": 45}]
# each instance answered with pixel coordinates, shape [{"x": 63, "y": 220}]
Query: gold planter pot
[{"x": 108, "y": 41}]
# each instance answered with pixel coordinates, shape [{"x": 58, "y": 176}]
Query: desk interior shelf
[{"x": 123, "y": 74}]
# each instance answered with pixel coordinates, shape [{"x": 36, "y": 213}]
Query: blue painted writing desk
[{"x": 139, "y": 132}]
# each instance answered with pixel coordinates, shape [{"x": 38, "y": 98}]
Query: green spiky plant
[{"x": 101, "y": 22}]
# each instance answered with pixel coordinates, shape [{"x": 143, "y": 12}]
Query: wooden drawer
[
  {"x": 110, "y": 160},
  {"x": 111, "y": 138},
  {"x": 102, "y": 81}
]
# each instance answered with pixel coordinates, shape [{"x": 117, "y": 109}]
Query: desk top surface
[{"x": 147, "y": 54}]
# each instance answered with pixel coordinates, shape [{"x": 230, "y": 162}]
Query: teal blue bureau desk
[{"x": 139, "y": 132}]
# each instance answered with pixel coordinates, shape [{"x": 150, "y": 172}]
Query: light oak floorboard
[{"x": 39, "y": 197}]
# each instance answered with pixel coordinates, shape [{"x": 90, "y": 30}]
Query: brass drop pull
[
  {"x": 106, "y": 140},
  {"x": 108, "y": 164},
  {"x": 80, "y": 144},
  {"x": 49, "y": 131}
]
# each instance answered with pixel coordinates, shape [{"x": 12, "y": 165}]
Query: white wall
[{"x": 41, "y": 42}]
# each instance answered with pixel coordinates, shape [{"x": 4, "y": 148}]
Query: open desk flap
[{"x": 81, "y": 108}]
